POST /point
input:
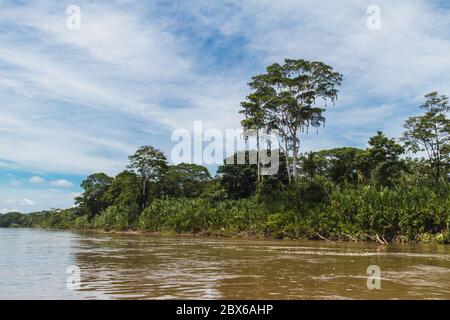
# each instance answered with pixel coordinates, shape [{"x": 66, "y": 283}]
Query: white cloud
[
  {"x": 134, "y": 63},
  {"x": 81, "y": 101},
  {"x": 386, "y": 72},
  {"x": 42, "y": 199},
  {"x": 36, "y": 180},
  {"x": 63, "y": 183},
  {"x": 27, "y": 202}
]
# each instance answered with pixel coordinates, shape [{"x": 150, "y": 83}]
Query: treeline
[{"x": 342, "y": 193}]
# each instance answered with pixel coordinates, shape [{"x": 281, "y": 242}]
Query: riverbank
[
  {"x": 401, "y": 214},
  {"x": 426, "y": 238}
]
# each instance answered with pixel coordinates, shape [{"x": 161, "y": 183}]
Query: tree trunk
[
  {"x": 438, "y": 154},
  {"x": 438, "y": 170},
  {"x": 294, "y": 159},
  {"x": 287, "y": 160},
  {"x": 257, "y": 155},
  {"x": 144, "y": 198}
]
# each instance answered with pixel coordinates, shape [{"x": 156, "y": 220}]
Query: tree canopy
[
  {"x": 151, "y": 165},
  {"x": 430, "y": 133},
  {"x": 290, "y": 98}
]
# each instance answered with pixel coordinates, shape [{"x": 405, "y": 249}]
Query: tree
[
  {"x": 430, "y": 133},
  {"x": 12, "y": 219},
  {"x": 238, "y": 180},
  {"x": 312, "y": 164},
  {"x": 340, "y": 165},
  {"x": 254, "y": 122},
  {"x": 150, "y": 164},
  {"x": 186, "y": 180},
  {"x": 381, "y": 162},
  {"x": 289, "y": 96},
  {"x": 93, "y": 199},
  {"x": 124, "y": 190}
]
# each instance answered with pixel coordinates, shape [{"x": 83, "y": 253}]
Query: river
[{"x": 34, "y": 264}]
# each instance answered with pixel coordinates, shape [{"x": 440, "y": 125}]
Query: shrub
[{"x": 117, "y": 218}]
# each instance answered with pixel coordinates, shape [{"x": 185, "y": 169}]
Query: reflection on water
[{"x": 33, "y": 264}]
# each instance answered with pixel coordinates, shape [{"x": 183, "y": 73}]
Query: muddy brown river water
[{"x": 34, "y": 264}]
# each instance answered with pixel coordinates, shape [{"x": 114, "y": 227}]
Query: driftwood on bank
[
  {"x": 371, "y": 237},
  {"x": 323, "y": 238},
  {"x": 381, "y": 241}
]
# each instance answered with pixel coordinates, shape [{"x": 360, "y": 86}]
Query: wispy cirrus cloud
[{"x": 117, "y": 71}]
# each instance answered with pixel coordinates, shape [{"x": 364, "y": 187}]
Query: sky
[{"x": 78, "y": 101}]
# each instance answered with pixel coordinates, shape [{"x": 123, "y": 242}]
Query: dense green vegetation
[{"x": 344, "y": 193}]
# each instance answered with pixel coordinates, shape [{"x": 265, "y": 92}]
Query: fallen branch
[
  {"x": 371, "y": 237},
  {"x": 323, "y": 238},
  {"x": 384, "y": 243},
  {"x": 384, "y": 240}
]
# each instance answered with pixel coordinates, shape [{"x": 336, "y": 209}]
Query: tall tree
[
  {"x": 430, "y": 133},
  {"x": 124, "y": 190},
  {"x": 150, "y": 164},
  {"x": 93, "y": 199},
  {"x": 255, "y": 114},
  {"x": 253, "y": 123},
  {"x": 291, "y": 94}
]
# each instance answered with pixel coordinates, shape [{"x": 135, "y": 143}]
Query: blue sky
[{"x": 74, "y": 102}]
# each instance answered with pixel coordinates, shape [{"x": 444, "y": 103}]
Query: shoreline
[{"x": 242, "y": 236}]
